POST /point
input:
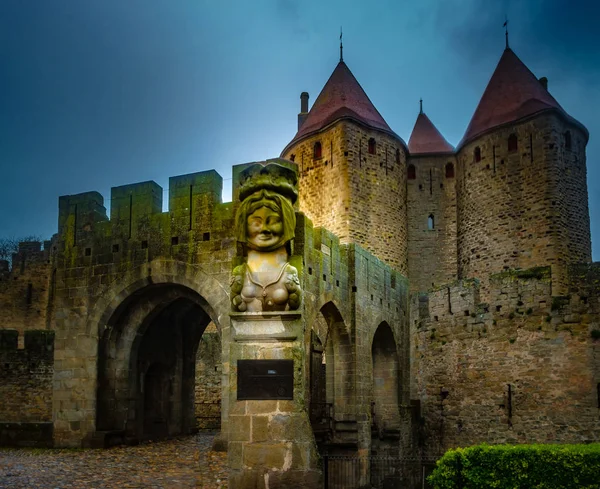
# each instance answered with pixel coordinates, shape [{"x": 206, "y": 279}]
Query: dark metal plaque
[{"x": 265, "y": 379}]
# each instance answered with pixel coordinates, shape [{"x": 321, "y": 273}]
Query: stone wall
[
  {"x": 103, "y": 265},
  {"x": 208, "y": 380},
  {"x": 26, "y": 290},
  {"x": 360, "y": 197},
  {"x": 523, "y": 208},
  {"x": 350, "y": 296},
  {"x": 432, "y": 252},
  {"x": 467, "y": 354},
  {"x": 26, "y": 388}
]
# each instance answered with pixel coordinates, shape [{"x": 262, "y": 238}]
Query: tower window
[
  {"x": 449, "y": 170},
  {"x": 397, "y": 156},
  {"x": 430, "y": 222},
  {"x": 372, "y": 146},
  {"x": 568, "y": 142},
  {"x": 317, "y": 152},
  {"x": 477, "y": 154},
  {"x": 411, "y": 173},
  {"x": 292, "y": 157},
  {"x": 513, "y": 144}
]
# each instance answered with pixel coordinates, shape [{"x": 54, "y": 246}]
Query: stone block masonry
[
  {"x": 26, "y": 290},
  {"x": 521, "y": 368},
  {"x": 26, "y": 388}
]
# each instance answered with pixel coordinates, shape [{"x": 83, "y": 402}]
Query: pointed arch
[{"x": 386, "y": 388}]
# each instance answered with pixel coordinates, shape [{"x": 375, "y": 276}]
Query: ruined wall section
[
  {"x": 26, "y": 289},
  {"x": 26, "y": 388},
  {"x": 467, "y": 353},
  {"x": 432, "y": 252},
  {"x": 358, "y": 196},
  {"x": 523, "y": 208}
]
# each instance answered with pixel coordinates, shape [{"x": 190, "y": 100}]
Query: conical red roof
[
  {"x": 341, "y": 97},
  {"x": 426, "y": 138},
  {"x": 512, "y": 93}
]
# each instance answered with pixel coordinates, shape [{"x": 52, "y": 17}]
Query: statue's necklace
[{"x": 264, "y": 287}]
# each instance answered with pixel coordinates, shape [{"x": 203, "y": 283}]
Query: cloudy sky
[{"x": 101, "y": 93}]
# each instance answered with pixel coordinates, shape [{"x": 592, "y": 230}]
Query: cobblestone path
[{"x": 185, "y": 462}]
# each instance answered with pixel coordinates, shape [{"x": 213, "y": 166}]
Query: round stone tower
[
  {"x": 352, "y": 167},
  {"x": 521, "y": 180}
]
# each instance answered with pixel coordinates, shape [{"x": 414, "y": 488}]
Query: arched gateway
[
  {"x": 148, "y": 338},
  {"x": 146, "y": 362}
]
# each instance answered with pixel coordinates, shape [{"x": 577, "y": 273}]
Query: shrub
[{"x": 520, "y": 466}]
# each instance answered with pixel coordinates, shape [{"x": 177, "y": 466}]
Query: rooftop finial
[
  {"x": 420, "y": 105},
  {"x": 341, "y": 46},
  {"x": 506, "y": 31}
]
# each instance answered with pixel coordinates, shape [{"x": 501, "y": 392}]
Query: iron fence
[{"x": 347, "y": 472}]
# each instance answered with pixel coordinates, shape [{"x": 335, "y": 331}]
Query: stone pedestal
[{"x": 271, "y": 444}]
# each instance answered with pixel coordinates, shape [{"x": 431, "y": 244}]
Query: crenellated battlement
[{"x": 138, "y": 229}]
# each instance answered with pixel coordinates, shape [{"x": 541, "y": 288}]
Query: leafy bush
[{"x": 519, "y": 466}]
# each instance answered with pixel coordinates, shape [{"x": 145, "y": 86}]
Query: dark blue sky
[{"x": 95, "y": 94}]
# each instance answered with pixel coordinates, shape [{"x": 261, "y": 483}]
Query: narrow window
[
  {"x": 115, "y": 248},
  {"x": 412, "y": 172},
  {"x": 477, "y": 154},
  {"x": 513, "y": 144},
  {"x": 29, "y": 293},
  {"x": 292, "y": 157},
  {"x": 430, "y": 222},
  {"x": 449, "y": 170},
  {"x": 568, "y": 140},
  {"x": 317, "y": 153},
  {"x": 372, "y": 146},
  {"x": 174, "y": 240},
  {"x": 397, "y": 156}
]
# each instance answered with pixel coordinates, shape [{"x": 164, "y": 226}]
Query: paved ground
[{"x": 186, "y": 462}]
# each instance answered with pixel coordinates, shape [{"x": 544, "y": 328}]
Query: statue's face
[{"x": 265, "y": 228}]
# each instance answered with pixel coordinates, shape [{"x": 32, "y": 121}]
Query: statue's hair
[{"x": 275, "y": 202}]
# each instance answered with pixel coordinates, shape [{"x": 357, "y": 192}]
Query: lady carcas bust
[{"x": 265, "y": 223}]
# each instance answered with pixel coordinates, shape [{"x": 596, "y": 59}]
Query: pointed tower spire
[
  {"x": 512, "y": 93},
  {"x": 342, "y": 97},
  {"x": 506, "y": 30},
  {"x": 421, "y": 105},
  {"x": 341, "y": 46},
  {"x": 426, "y": 138}
]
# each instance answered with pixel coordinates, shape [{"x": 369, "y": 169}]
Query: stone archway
[
  {"x": 332, "y": 393},
  {"x": 385, "y": 395},
  {"x": 146, "y": 362}
]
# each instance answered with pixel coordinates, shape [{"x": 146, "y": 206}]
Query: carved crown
[{"x": 271, "y": 176}]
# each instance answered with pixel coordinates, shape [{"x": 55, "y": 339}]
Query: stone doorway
[
  {"x": 385, "y": 396},
  {"x": 147, "y": 364}
]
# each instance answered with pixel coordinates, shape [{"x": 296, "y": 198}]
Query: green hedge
[{"x": 519, "y": 466}]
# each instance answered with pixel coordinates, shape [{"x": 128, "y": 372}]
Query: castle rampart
[{"x": 519, "y": 368}]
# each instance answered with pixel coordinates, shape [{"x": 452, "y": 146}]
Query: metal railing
[{"x": 347, "y": 472}]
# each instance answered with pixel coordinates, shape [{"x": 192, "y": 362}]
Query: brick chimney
[{"x": 303, "y": 109}]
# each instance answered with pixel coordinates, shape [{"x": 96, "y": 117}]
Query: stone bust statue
[{"x": 265, "y": 224}]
